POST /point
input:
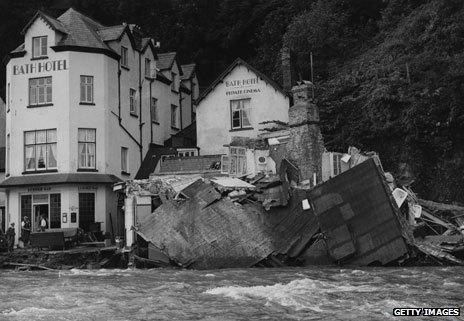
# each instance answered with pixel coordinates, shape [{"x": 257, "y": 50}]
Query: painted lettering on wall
[
  {"x": 38, "y": 188},
  {"x": 242, "y": 82},
  {"x": 243, "y": 91},
  {"x": 38, "y": 67},
  {"x": 88, "y": 187}
]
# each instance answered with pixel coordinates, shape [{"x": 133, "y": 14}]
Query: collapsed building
[{"x": 281, "y": 199}]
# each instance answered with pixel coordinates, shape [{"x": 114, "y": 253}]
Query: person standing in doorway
[
  {"x": 10, "y": 237},
  {"x": 25, "y": 230},
  {"x": 42, "y": 223}
]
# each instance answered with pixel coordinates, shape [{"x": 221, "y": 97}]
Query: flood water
[{"x": 236, "y": 294}]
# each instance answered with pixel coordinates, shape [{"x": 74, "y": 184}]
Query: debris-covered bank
[{"x": 280, "y": 199}]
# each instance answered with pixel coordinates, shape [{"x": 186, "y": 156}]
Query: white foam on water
[
  {"x": 298, "y": 294},
  {"x": 210, "y": 275},
  {"x": 100, "y": 272},
  {"x": 29, "y": 311}
]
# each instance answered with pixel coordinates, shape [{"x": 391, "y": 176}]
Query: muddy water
[{"x": 248, "y": 294}]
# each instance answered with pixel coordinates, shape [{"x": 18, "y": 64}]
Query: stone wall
[{"x": 306, "y": 145}]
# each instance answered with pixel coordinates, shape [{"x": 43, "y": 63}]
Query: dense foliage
[{"x": 389, "y": 73}]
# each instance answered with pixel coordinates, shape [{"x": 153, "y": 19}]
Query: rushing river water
[{"x": 248, "y": 294}]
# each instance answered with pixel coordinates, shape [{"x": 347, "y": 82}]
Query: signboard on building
[
  {"x": 242, "y": 86},
  {"x": 38, "y": 67}
]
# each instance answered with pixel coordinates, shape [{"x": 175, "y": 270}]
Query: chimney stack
[
  {"x": 286, "y": 69},
  {"x": 305, "y": 146}
]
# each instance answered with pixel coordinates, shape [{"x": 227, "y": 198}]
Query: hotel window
[
  {"x": 154, "y": 110},
  {"x": 86, "y": 145},
  {"x": 237, "y": 161},
  {"x": 124, "y": 61},
  {"x": 40, "y": 91},
  {"x": 147, "y": 68},
  {"x": 132, "y": 107},
  {"x": 39, "y": 47},
  {"x": 174, "y": 116},
  {"x": 124, "y": 160},
  {"x": 86, "y": 89},
  {"x": 173, "y": 81},
  {"x": 240, "y": 113},
  {"x": 40, "y": 149}
]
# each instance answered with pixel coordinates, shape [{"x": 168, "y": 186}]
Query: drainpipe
[
  {"x": 119, "y": 110},
  {"x": 151, "y": 112},
  {"x": 180, "y": 105},
  {"x": 140, "y": 108}
]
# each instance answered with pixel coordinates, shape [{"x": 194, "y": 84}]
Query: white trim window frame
[
  {"x": 174, "y": 116},
  {"x": 154, "y": 110},
  {"x": 240, "y": 113},
  {"x": 40, "y": 91},
  {"x": 237, "y": 161},
  {"x": 40, "y": 150},
  {"x": 132, "y": 101},
  {"x": 147, "y": 68},
  {"x": 39, "y": 47},
  {"x": 124, "y": 57},
  {"x": 124, "y": 159},
  {"x": 87, "y": 89},
  {"x": 86, "y": 142}
]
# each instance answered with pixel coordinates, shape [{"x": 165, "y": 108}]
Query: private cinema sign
[{"x": 38, "y": 67}]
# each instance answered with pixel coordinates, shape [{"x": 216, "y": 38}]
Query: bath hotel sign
[
  {"x": 38, "y": 67},
  {"x": 242, "y": 86}
]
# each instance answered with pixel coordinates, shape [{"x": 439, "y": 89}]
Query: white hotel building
[{"x": 84, "y": 104}]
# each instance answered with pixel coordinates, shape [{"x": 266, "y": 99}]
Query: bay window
[
  {"x": 240, "y": 113},
  {"x": 40, "y": 150},
  {"x": 86, "y": 145},
  {"x": 39, "y": 47},
  {"x": 87, "y": 89},
  {"x": 40, "y": 91}
]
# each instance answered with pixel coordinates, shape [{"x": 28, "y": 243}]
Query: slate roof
[
  {"x": 52, "y": 22},
  {"x": 60, "y": 178},
  {"x": 229, "y": 69},
  {"x": 111, "y": 33},
  {"x": 83, "y": 31},
  {"x": 152, "y": 158},
  {"x": 188, "y": 71},
  {"x": 166, "y": 60}
]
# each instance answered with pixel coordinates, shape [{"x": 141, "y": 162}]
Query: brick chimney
[
  {"x": 306, "y": 145},
  {"x": 286, "y": 69}
]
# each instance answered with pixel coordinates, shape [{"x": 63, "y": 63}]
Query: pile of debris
[{"x": 359, "y": 217}]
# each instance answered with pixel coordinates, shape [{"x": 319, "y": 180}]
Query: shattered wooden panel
[{"x": 356, "y": 214}]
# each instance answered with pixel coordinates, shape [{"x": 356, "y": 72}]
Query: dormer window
[{"x": 39, "y": 47}]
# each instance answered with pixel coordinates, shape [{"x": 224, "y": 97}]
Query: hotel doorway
[
  {"x": 40, "y": 210},
  {"x": 86, "y": 211}
]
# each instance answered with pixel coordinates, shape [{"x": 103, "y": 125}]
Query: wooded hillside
[{"x": 389, "y": 73}]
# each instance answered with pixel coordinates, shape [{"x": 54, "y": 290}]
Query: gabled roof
[
  {"x": 167, "y": 59},
  {"x": 236, "y": 63},
  {"x": 51, "y": 22},
  {"x": 188, "y": 70},
  {"x": 152, "y": 158},
  {"x": 82, "y": 31},
  {"x": 111, "y": 33}
]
